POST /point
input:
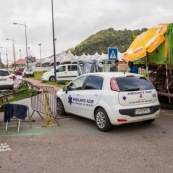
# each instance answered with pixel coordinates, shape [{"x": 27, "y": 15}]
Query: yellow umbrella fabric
[{"x": 148, "y": 41}]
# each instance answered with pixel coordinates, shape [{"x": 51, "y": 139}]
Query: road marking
[{"x": 4, "y": 147}]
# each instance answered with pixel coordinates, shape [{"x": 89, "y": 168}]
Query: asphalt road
[{"x": 77, "y": 146}]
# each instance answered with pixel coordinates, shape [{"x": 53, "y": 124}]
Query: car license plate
[{"x": 142, "y": 111}]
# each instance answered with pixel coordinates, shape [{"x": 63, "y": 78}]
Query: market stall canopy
[{"x": 148, "y": 41}]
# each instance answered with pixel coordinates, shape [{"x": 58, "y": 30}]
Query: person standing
[
  {"x": 114, "y": 68},
  {"x": 133, "y": 69}
]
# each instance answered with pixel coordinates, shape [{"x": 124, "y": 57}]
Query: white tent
[
  {"x": 67, "y": 57},
  {"x": 103, "y": 57}
]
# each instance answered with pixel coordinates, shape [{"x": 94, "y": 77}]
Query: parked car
[
  {"x": 110, "y": 99},
  {"x": 27, "y": 72},
  {"x": 6, "y": 79},
  {"x": 19, "y": 71},
  {"x": 63, "y": 72}
]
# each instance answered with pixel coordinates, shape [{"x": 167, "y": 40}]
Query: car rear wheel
[
  {"x": 12, "y": 87},
  {"x": 60, "y": 108},
  {"x": 149, "y": 121},
  {"x": 52, "y": 78},
  {"x": 102, "y": 120}
]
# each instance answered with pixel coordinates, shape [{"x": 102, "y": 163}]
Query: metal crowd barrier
[{"x": 45, "y": 103}]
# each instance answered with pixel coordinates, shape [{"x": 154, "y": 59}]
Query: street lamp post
[
  {"x": 0, "y": 58},
  {"x": 40, "y": 50},
  {"x": 14, "y": 55},
  {"x": 25, "y": 41},
  {"x": 6, "y": 55},
  {"x": 40, "y": 54},
  {"x": 20, "y": 54},
  {"x": 29, "y": 51},
  {"x": 54, "y": 52}
]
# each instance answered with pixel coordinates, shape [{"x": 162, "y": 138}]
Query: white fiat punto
[{"x": 110, "y": 98}]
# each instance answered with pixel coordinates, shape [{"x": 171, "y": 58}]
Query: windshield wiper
[{"x": 132, "y": 89}]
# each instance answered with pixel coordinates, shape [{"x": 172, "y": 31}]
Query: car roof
[{"x": 113, "y": 74}]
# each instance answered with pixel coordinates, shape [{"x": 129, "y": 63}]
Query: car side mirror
[{"x": 65, "y": 89}]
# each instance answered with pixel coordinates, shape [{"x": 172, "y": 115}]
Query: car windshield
[
  {"x": 134, "y": 84},
  {"x": 21, "y": 69},
  {"x": 4, "y": 73},
  {"x": 52, "y": 70},
  {"x": 29, "y": 70}
]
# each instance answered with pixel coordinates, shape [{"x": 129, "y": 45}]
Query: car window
[
  {"x": 4, "y": 73},
  {"x": 77, "y": 84},
  {"x": 29, "y": 70},
  {"x": 72, "y": 68},
  {"x": 61, "y": 69},
  {"x": 21, "y": 69},
  {"x": 134, "y": 84},
  {"x": 94, "y": 82}
]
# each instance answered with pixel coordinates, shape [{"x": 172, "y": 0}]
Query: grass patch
[
  {"x": 38, "y": 74},
  {"x": 58, "y": 84}
]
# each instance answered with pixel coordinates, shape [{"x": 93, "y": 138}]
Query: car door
[
  {"x": 61, "y": 72},
  {"x": 72, "y": 71},
  {"x": 90, "y": 95},
  {"x": 71, "y": 98}
]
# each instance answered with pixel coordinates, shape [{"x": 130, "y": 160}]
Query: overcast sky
[{"x": 75, "y": 20}]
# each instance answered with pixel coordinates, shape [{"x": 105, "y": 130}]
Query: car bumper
[
  {"x": 123, "y": 115},
  {"x": 9, "y": 86},
  {"x": 29, "y": 75},
  {"x": 44, "y": 78}
]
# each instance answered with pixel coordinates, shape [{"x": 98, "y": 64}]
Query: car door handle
[
  {"x": 78, "y": 94},
  {"x": 96, "y": 95}
]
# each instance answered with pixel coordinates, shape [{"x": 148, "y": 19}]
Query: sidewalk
[{"x": 39, "y": 83}]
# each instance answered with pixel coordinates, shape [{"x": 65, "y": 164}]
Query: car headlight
[{"x": 44, "y": 74}]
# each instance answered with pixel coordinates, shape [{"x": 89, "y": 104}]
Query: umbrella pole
[{"x": 147, "y": 72}]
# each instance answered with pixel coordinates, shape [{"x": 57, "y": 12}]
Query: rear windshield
[
  {"x": 4, "y": 73},
  {"x": 134, "y": 84}
]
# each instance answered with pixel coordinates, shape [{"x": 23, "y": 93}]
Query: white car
[
  {"x": 63, "y": 72},
  {"x": 6, "y": 79},
  {"x": 110, "y": 99},
  {"x": 27, "y": 72}
]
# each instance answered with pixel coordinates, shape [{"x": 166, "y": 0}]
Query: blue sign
[{"x": 112, "y": 54}]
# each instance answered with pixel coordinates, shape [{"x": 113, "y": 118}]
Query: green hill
[{"x": 103, "y": 39}]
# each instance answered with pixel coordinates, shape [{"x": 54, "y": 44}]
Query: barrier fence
[{"x": 45, "y": 103}]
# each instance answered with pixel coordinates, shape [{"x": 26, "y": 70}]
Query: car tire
[
  {"x": 12, "y": 87},
  {"x": 102, "y": 120},
  {"x": 52, "y": 79},
  {"x": 149, "y": 121},
  {"x": 60, "y": 108}
]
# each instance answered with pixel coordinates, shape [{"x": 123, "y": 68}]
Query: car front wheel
[
  {"x": 52, "y": 78},
  {"x": 102, "y": 120},
  {"x": 12, "y": 87},
  {"x": 60, "y": 108}
]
